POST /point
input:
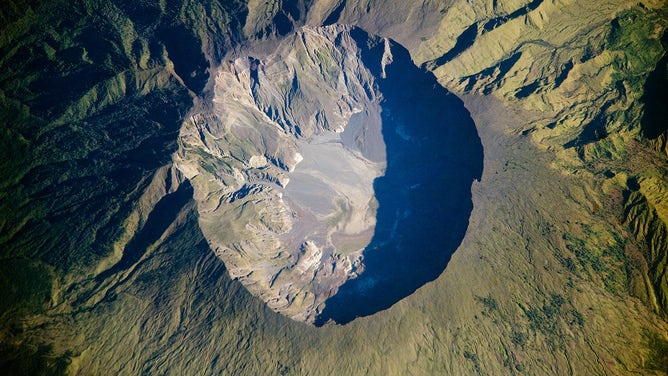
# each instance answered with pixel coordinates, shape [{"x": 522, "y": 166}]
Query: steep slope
[
  {"x": 593, "y": 71},
  {"x": 298, "y": 168},
  {"x": 588, "y": 82},
  {"x": 561, "y": 271},
  {"x": 92, "y": 97},
  {"x": 276, "y": 133}
]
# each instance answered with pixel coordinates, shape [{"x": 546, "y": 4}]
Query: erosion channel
[{"x": 333, "y": 176}]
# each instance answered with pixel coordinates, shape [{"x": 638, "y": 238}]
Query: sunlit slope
[
  {"x": 582, "y": 67},
  {"x": 587, "y": 78},
  {"x": 105, "y": 271}
]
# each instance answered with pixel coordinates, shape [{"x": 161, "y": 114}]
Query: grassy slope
[
  {"x": 539, "y": 286},
  {"x": 91, "y": 106}
]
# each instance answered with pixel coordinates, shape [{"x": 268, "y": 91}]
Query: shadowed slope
[{"x": 433, "y": 156}]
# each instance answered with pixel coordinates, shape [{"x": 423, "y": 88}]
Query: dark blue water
[
  {"x": 655, "y": 97},
  {"x": 433, "y": 155}
]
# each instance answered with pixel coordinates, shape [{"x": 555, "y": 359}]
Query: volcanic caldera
[{"x": 332, "y": 175}]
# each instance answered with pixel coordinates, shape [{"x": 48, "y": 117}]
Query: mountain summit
[{"x": 289, "y": 158}]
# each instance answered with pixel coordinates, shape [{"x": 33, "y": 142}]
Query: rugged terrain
[
  {"x": 107, "y": 267},
  {"x": 306, "y": 157},
  {"x": 284, "y": 184}
]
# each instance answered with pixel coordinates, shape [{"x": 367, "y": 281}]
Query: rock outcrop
[
  {"x": 283, "y": 164},
  {"x": 563, "y": 266},
  {"x": 306, "y": 148}
]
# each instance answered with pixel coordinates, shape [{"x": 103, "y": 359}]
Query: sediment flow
[{"x": 288, "y": 161}]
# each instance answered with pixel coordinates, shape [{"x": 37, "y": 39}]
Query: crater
[{"x": 333, "y": 176}]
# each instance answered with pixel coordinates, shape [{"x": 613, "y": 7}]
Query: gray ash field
[{"x": 333, "y": 187}]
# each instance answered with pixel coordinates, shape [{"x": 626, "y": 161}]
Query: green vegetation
[
  {"x": 610, "y": 264},
  {"x": 658, "y": 353},
  {"x": 90, "y": 108},
  {"x": 473, "y": 358},
  {"x": 91, "y": 97},
  {"x": 32, "y": 360},
  {"x": 548, "y": 318},
  {"x": 544, "y": 319},
  {"x": 27, "y": 291},
  {"x": 518, "y": 338},
  {"x": 633, "y": 33},
  {"x": 488, "y": 302}
]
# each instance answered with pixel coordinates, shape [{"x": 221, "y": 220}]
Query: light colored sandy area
[{"x": 333, "y": 186}]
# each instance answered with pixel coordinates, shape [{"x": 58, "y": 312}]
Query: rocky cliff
[
  {"x": 282, "y": 174},
  {"x": 286, "y": 160},
  {"x": 111, "y": 111}
]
